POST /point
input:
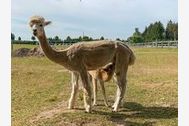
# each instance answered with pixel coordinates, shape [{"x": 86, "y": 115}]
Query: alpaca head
[{"x": 37, "y": 24}]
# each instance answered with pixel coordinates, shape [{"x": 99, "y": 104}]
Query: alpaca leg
[
  {"x": 94, "y": 81},
  {"x": 103, "y": 92},
  {"x": 86, "y": 90},
  {"x": 74, "y": 77},
  {"x": 121, "y": 87}
]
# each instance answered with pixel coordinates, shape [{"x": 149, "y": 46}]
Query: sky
[{"x": 95, "y": 18}]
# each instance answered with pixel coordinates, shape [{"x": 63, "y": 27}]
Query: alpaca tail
[{"x": 132, "y": 57}]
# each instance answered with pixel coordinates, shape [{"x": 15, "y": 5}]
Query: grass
[{"x": 41, "y": 89}]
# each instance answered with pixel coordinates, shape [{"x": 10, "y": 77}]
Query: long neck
[{"x": 54, "y": 55}]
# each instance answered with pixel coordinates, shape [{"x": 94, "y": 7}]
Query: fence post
[{"x": 168, "y": 44}]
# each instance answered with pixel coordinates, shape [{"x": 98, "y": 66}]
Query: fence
[{"x": 157, "y": 44}]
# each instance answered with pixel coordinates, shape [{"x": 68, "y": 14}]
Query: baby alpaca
[{"x": 101, "y": 75}]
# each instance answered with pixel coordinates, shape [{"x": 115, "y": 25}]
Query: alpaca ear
[
  {"x": 30, "y": 24},
  {"x": 47, "y": 22}
]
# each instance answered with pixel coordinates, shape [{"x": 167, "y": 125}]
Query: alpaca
[
  {"x": 101, "y": 75},
  {"x": 83, "y": 57}
]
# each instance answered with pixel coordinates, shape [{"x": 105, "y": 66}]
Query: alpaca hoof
[
  {"x": 113, "y": 110},
  {"x": 113, "y": 106},
  {"x": 70, "y": 107},
  {"x": 94, "y": 104},
  {"x": 88, "y": 109}
]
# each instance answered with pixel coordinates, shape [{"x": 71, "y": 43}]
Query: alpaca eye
[{"x": 40, "y": 25}]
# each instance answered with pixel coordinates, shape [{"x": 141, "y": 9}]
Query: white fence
[{"x": 157, "y": 44}]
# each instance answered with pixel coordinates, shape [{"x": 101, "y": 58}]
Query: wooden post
[{"x": 168, "y": 44}]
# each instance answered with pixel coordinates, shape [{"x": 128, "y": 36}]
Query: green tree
[
  {"x": 12, "y": 36},
  {"x": 33, "y": 38},
  {"x": 118, "y": 39},
  {"x": 12, "y": 39},
  {"x": 171, "y": 31},
  {"x": 80, "y": 39},
  {"x": 136, "y": 37},
  {"x": 86, "y": 38},
  {"x": 19, "y": 38},
  {"x": 56, "y": 38},
  {"x": 68, "y": 40},
  {"x": 158, "y": 31},
  {"x": 50, "y": 39},
  {"x": 155, "y": 31},
  {"x": 101, "y": 38},
  {"x": 136, "y": 33},
  {"x": 90, "y": 39}
]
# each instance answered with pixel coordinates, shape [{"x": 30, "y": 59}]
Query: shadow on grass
[
  {"x": 150, "y": 112},
  {"x": 135, "y": 110}
]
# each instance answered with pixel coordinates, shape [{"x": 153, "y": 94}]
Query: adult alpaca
[
  {"x": 103, "y": 75},
  {"x": 82, "y": 57}
]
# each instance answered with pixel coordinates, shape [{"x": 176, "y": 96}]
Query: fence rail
[
  {"x": 156, "y": 44},
  {"x": 161, "y": 44}
]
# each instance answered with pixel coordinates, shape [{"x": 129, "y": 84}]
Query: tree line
[
  {"x": 56, "y": 39},
  {"x": 155, "y": 32}
]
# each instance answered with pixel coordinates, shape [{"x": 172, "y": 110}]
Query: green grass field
[{"x": 41, "y": 89}]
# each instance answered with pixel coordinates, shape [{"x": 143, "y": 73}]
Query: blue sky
[{"x": 109, "y": 18}]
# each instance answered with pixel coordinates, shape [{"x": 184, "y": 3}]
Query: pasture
[{"x": 41, "y": 89}]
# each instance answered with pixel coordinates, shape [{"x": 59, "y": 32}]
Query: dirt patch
[
  {"x": 37, "y": 51},
  {"x": 23, "y": 52},
  {"x": 52, "y": 112},
  {"x": 20, "y": 52}
]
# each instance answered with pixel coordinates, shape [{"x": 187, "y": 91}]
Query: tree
[
  {"x": 155, "y": 31},
  {"x": 90, "y": 39},
  {"x": 101, "y": 38},
  {"x": 86, "y": 38},
  {"x": 171, "y": 31},
  {"x": 68, "y": 38},
  {"x": 158, "y": 31},
  {"x": 12, "y": 36},
  {"x": 19, "y": 38},
  {"x": 80, "y": 39},
  {"x": 136, "y": 33},
  {"x": 136, "y": 37},
  {"x": 56, "y": 38},
  {"x": 33, "y": 38},
  {"x": 118, "y": 39}
]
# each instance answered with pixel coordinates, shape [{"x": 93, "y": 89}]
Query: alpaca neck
[{"x": 54, "y": 55}]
